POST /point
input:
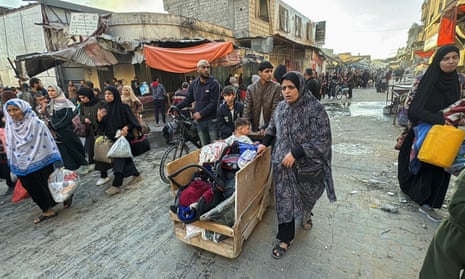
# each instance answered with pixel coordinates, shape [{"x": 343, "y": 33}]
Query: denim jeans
[{"x": 207, "y": 131}]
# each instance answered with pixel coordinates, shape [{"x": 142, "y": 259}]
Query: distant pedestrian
[
  {"x": 60, "y": 114},
  {"x": 179, "y": 96},
  {"x": 159, "y": 100},
  {"x": 88, "y": 114},
  {"x": 118, "y": 116},
  {"x": 312, "y": 84}
]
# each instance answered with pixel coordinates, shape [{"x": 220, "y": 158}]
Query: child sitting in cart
[{"x": 241, "y": 130}]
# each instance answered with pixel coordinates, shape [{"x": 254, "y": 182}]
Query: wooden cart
[{"x": 253, "y": 195}]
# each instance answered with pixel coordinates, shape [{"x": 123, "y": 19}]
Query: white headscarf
[
  {"x": 30, "y": 146},
  {"x": 60, "y": 101}
]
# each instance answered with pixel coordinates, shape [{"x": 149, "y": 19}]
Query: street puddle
[
  {"x": 363, "y": 109},
  {"x": 352, "y": 148}
]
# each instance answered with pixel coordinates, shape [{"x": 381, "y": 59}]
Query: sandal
[
  {"x": 279, "y": 251},
  {"x": 67, "y": 203},
  {"x": 44, "y": 217}
]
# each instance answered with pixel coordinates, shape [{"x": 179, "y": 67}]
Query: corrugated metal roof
[{"x": 88, "y": 53}]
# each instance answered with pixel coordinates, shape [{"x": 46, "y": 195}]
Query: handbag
[
  {"x": 140, "y": 145},
  {"x": 19, "y": 193},
  {"x": 101, "y": 147},
  {"x": 79, "y": 128},
  {"x": 120, "y": 149},
  {"x": 441, "y": 145},
  {"x": 309, "y": 171}
]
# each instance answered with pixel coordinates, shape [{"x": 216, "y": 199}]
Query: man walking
[
  {"x": 312, "y": 84},
  {"x": 159, "y": 101},
  {"x": 262, "y": 98},
  {"x": 205, "y": 91}
]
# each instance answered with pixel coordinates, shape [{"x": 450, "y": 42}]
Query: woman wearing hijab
[
  {"x": 129, "y": 98},
  {"x": 439, "y": 87},
  {"x": 31, "y": 152},
  {"x": 88, "y": 114},
  {"x": 298, "y": 140},
  {"x": 60, "y": 114},
  {"x": 118, "y": 116},
  {"x": 6, "y": 94}
]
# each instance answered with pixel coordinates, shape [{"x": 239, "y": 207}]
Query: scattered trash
[
  {"x": 391, "y": 193},
  {"x": 390, "y": 208},
  {"x": 444, "y": 206},
  {"x": 424, "y": 226},
  {"x": 386, "y": 231},
  {"x": 374, "y": 181},
  {"x": 373, "y": 206},
  {"x": 403, "y": 198},
  {"x": 353, "y": 192}
]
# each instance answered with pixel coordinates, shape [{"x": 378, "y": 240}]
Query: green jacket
[{"x": 445, "y": 257}]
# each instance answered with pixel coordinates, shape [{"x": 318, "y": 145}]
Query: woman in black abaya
[{"x": 439, "y": 88}]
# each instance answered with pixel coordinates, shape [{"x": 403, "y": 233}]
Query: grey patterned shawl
[{"x": 304, "y": 123}]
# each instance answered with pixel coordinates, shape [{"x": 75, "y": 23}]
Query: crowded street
[{"x": 130, "y": 235}]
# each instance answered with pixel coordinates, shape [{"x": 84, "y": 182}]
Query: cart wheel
[{"x": 172, "y": 153}]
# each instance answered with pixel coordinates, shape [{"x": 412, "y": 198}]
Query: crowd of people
[
  {"x": 271, "y": 108},
  {"x": 39, "y": 135}
]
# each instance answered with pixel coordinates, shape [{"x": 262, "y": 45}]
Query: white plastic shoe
[{"x": 102, "y": 181}]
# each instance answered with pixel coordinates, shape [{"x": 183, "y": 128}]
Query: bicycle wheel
[
  {"x": 172, "y": 153},
  {"x": 339, "y": 94}
]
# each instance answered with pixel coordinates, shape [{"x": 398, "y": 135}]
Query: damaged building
[{"x": 67, "y": 42}]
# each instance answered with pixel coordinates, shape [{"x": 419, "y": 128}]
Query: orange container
[{"x": 441, "y": 145}]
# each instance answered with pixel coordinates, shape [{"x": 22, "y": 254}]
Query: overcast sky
[{"x": 367, "y": 27}]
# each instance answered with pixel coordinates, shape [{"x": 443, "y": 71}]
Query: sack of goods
[{"x": 62, "y": 183}]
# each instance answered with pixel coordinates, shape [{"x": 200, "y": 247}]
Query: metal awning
[{"x": 88, "y": 53}]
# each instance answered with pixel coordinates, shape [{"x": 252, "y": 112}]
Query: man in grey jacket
[{"x": 262, "y": 98}]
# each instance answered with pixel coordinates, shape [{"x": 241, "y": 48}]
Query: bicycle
[
  {"x": 183, "y": 130},
  {"x": 341, "y": 90}
]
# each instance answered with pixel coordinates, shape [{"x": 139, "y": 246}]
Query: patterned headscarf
[{"x": 30, "y": 146}]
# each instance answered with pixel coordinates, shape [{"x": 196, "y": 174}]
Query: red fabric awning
[
  {"x": 184, "y": 60},
  {"x": 446, "y": 34}
]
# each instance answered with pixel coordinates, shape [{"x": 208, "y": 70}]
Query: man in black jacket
[
  {"x": 205, "y": 91},
  {"x": 312, "y": 84}
]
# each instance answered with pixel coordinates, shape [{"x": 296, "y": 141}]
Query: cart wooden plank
[{"x": 253, "y": 195}]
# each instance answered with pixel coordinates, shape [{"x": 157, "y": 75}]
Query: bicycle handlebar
[{"x": 177, "y": 112}]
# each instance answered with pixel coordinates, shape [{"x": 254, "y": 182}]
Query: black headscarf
[
  {"x": 119, "y": 114},
  {"x": 87, "y": 92},
  {"x": 436, "y": 82}
]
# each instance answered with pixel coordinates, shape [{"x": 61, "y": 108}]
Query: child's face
[
  {"x": 229, "y": 98},
  {"x": 243, "y": 130}
]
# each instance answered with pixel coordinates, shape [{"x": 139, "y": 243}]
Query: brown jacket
[{"x": 258, "y": 96}]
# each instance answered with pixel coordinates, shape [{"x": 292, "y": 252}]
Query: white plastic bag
[
  {"x": 62, "y": 183},
  {"x": 120, "y": 149}
]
